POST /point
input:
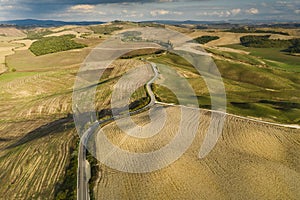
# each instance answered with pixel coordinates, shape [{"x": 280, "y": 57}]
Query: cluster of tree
[
  {"x": 201, "y": 27},
  {"x": 295, "y": 47},
  {"x": 253, "y": 30},
  {"x": 263, "y": 41},
  {"x": 54, "y": 44},
  {"x": 150, "y": 24},
  {"x": 291, "y": 46},
  {"x": 205, "y": 39},
  {"x": 105, "y": 30}
]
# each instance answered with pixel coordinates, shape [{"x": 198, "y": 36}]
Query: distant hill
[
  {"x": 46, "y": 23},
  {"x": 216, "y": 24},
  {"x": 271, "y": 23}
]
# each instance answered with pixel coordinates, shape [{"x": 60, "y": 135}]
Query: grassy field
[
  {"x": 247, "y": 86},
  {"x": 14, "y": 75},
  {"x": 274, "y": 57},
  {"x": 38, "y": 138},
  {"x": 236, "y": 56}
]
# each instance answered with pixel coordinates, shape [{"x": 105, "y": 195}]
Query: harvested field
[
  {"x": 117, "y": 69},
  {"x": 24, "y": 60},
  {"x": 6, "y": 49},
  {"x": 34, "y": 130},
  {"x": 32, "y": 165},
  {"x": 250, "y": 161},
  {"x": 69, "y": 32},
  {"x": 227, "y": 38},
  {"x": 26, "y": 44},
  {"x": 11, "y": 32},
  {"x": 62, "y": 28}
]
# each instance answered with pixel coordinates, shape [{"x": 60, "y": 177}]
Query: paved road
[
  {"x": 82, "y": 176},
  {"x": 82, "y": 179},
  {"x": 294, "y": 126}
]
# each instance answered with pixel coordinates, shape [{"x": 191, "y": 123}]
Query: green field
[
  {"x": 273, "y": 57},
  {"x": 252, "y": 60},
  {"x": 265, "y": 93},
  {"x": 6, "y": 77},
  {"x": 36, "y": 121}
]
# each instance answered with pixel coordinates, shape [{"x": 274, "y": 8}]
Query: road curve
[{"x": 82, "y": 177}]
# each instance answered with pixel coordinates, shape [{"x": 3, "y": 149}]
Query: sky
[{"x": 140, "y": 10}]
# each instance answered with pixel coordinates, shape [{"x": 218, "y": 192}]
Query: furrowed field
[{"x": 39, "y": 143}]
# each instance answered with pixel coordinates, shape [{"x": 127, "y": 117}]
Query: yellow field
[
  {"x": 36, "y": 129},
  {"x": 250, "y": 161},
  {"x": 11, "y": 32},
  {"x": 6, "y": 49},
  {"x": 227, "y": 38}
]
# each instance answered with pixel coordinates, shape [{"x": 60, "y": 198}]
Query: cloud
[
  {"x": 221, "y": 13},
  {"x": 101, "y": 13},
  {"x": 264, "y": 4},
  {"x": 151, "y": 9},
  {"x": 163, "y": 1},
  {"x": 155, "y": 13},
  {"x": 8, "y": 7},
  {"x": 82, "y": 7},
  {"x": 235, "y": 11},
  {"x": 159, "y": 12},
  {"x": 252, "y": 11},
  {"x": 177, "y": 13}
]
